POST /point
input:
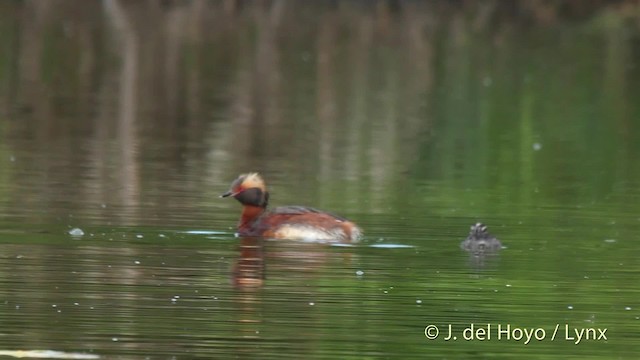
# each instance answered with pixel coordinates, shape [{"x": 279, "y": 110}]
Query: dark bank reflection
[{"x": 115, "y": 110}]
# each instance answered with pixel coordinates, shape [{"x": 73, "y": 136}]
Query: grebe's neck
[{"x": 249, "y": 214}]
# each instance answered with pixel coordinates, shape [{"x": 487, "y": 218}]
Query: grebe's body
[
  {"x": 479, "y": 240},
  {"x": 285, "y": 222}
]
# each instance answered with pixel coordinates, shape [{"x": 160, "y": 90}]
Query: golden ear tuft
[{"x": 253, "y": 180}]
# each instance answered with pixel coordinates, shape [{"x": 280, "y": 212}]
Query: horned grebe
[{"x": 285, "y": 222}]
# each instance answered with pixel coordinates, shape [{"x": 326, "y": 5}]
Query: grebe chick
[
  {"x": 479, "y": 240},
  {"x": 285, "y": 222}
]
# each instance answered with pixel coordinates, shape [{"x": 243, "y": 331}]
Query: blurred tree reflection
[{"x": 353, "y": 100}]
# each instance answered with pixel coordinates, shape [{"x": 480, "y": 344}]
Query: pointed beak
[{"x": 230, "y": 193}]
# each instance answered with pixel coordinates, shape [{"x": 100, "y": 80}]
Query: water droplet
[
  {"x": 418, "y": 301},
  {"x": 359, "y": 272},
  {"x": 139, "y": 236},
  {"x": 137, "y": 262},
  {"x": 508, "y": 285},
  {"x": 570, "y": 307},
  {"x": 537, "y": 146},
  {"x": 627, "y": 308},
  {"x": 312, "y": 303},
  {"x": 76, "y": 232},
  {"x": 114, "y": 339},
  {"x": 610, "y": 241}
]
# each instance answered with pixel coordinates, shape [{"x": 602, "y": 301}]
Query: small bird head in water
[
  {"x": 480, "y": 240},
  {"x": 479, "y": 231}
]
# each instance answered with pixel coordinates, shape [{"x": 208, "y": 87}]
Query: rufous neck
[{"x": 249, "y": 214}]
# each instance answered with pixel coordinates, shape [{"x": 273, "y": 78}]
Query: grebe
[
  {"x": 479, "y": 240},
  {"x": 285, "y": 222}
]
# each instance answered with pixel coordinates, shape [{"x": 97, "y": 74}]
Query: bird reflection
[
  {"x": 249, "y": 270},
  {"x": 306, "y": 259}
]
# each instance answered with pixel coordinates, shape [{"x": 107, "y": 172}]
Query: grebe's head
[
  {"x": 249, "y": 189},
  {"x": 479, "y": 232}
]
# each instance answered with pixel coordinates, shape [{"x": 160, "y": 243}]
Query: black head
[{"x": 249, "y": 189}]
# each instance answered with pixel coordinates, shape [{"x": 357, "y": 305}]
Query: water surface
[{"x": 415, "y": 120}]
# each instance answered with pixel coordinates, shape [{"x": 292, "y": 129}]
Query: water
[{"x": 415, "y": 121}]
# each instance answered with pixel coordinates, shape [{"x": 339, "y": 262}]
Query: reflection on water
[
  {"x": 414, "y": 119},
  {"x": 131, "y": 291},
  {"x": 137, "y": 113},
  {"x": 249, "y": 270}
]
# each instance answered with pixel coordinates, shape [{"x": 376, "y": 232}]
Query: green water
[{"x": 414, "y": 120}]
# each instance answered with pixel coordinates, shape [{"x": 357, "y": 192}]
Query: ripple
[
  {"x": 46, "y": 354},
  {"x": 391, "y": 246},
  {"x": 203, "y": 232}
]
